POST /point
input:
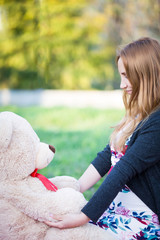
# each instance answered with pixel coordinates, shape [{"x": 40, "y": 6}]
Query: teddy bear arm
[{"x": 65, "y": 182}]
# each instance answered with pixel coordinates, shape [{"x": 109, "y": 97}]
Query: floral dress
[{"x": 127, "y": 217}]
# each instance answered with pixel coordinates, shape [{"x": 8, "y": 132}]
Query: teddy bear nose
[{"x": 52, "y": 148}]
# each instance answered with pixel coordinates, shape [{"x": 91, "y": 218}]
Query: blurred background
[
  {"x": 58, "y": 70},
  {"x": 69, "y": 44}
]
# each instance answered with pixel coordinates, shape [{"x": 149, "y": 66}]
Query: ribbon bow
[{"x": 48, "y": 184}]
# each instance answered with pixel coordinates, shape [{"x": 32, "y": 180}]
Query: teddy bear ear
[{"x": 5, "y": 132}]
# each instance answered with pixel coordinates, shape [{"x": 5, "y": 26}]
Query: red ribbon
[{"x": 48, "y": 184}]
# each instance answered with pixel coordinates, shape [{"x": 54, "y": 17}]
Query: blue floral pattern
[{"x": 127, "y": 217}]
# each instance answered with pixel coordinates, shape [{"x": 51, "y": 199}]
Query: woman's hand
[{"x": 68, "y": 221}]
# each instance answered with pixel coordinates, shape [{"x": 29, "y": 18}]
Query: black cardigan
[{"x": 139, "y": 168}]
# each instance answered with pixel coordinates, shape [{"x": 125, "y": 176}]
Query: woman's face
[{"x": 125, "y": 83}]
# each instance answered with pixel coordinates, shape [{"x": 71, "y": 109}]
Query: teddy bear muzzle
[{"x": 52, "y": 148}]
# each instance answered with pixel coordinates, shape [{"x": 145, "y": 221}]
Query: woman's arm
[
  {"x": 99, "y": 167},
  {"x": 68, "y": 221},
  {"x": 89, "y": 178},
  {"x": 142, "y": 153},
  {"x": 96, "y": 170}
]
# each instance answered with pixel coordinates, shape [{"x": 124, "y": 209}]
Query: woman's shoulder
[
  {"x": 152, "y": 122},
  {"x": 155, "y": 114},
  {"x": 154, "y": 117}
]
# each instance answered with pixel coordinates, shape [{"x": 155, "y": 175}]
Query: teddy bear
[{"x": 26, "y": 197}]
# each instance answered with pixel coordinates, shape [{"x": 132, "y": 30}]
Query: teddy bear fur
[{"x": 25, "y": 203}]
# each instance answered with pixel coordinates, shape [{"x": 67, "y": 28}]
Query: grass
[{"x": 77, "y": 134}]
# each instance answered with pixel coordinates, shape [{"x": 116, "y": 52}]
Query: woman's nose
[
  {"x": 123, "y": 84},
  {"x": 52, "y": 148}
]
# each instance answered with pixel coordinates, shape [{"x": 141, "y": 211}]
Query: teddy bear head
[{"x": 21, "y": 151}]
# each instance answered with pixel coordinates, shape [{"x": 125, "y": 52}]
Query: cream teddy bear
[{"x": 25, "y": 202}]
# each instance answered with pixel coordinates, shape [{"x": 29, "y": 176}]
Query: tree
[{"x": 69, "y": 44}]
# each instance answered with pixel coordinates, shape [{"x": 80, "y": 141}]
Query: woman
[{"x": 128, "y": 201}]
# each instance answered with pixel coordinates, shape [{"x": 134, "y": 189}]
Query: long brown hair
[{"x": 141, "y": 60}]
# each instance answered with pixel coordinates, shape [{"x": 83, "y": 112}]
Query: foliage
[
  {"x": 77, "y": 134},
  {"x": 69, "y": 44}
]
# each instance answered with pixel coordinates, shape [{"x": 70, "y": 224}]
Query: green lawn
[{"x": 77, "y": 134}]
